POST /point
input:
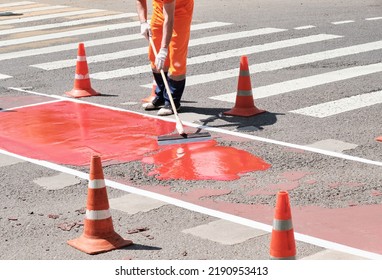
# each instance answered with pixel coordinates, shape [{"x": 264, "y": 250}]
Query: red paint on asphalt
[
  {"x": 204, "y": 161},
  {"x": 69, "y": 133},
  {"x": 359, "y": 226}
]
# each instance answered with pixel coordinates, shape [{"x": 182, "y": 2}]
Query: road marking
[
  {"x": 15, "y": 4},
  {"x": 304, "y": 27},
  {"x": 58, "y": 35},
  {"x": 305, "y": 82},
  {"x": 39, "y": 9},
  {"x": 139, "y": 51},
  {"x": 374, "y": 18},
  {"x": 335, "y": 107},
  {"x": 49, "y": 16},
  {"x": 105, "y": 41},
  {"x": 283, "y": 63},
  {"x": 66, "y": 23},
  {"x": 219, "y": 55},
  {"x": 82, "y": 31},
  {"x": 343, "y": 22},
  {"x": 3, "y": 77},
  {"x": 197, "y": 208}
]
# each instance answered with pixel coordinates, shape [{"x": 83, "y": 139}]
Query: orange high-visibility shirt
[{"x": 178, "y": 47}]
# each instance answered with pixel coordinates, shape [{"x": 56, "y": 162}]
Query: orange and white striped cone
[
  {"x": 244, "y": 104},
  {"x": 152, "y": 95},
  {"x": 283, "y": 246},
  {"x": 82, "y": 86},
  {"x": 99, "y": 235}
]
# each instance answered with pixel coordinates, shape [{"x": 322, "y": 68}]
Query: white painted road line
[
  {"x": 40, "y": 9},
  {"x": 98, "y": 42},
  {"x": 304, "y": 27},
  {"x": 57, "y": 35},
  {"x": 305, "y": 82},
  {"x": 374, "y": 18},
  {"x": 139, "y": 51},
  {"x": 283, "y": 63},
  {"x": 3, "y": 77},
  {"x": 343, "y": 22},
  {"x": 49, "y": 16},
  {"x": 16, "y": 4},
  {"x": 219, "y": 55},
  {"x": 66, "y": 23},
  {"x": 335, "y": 107}
]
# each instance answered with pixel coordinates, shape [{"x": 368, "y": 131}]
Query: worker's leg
[{"x": 178, "y": 50}]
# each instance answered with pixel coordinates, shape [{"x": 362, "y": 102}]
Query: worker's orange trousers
[{"x": 176, "y": 60}]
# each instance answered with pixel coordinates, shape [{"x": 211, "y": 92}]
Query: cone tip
[{"x": 96, "y": 171}]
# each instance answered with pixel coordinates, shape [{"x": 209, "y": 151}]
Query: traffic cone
[
  {"x": 99, "y": 235},
  {"x": 152, "y": 96},
  {"x": 244, "y": 105},
  {"x": 82, "y": 86},
  {"x": 283, "y": 245}
]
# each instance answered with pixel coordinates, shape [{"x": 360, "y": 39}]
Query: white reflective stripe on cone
[
  {"x": 81, "y": 58},
  {"x": 282, "y": 224},
  {"x": 244, "y": 92},
  {"x": 81, "y": 77},
  {"x": 97, "y": 214},
  {"x": 96, "y": 184}
]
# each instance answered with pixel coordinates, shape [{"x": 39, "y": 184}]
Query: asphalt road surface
[{"x": 315, "y": 69}]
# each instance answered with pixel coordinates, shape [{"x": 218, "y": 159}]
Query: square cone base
[
  {"x": 94, "y": 246},
  {"x": 244, "y": 112},
  {"x": 82, "y": 93}
]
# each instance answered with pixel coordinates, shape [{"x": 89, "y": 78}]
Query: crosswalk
[{"x": 51, "y": 24}]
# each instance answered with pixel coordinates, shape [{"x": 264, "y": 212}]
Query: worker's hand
[
  {"x": 161, "y": 58},
  {"x": 145, "y": 30}
]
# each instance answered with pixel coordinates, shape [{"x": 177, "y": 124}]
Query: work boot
[
  {"x": 155, "y": 104},
  {"x": 167, "y": 110}
]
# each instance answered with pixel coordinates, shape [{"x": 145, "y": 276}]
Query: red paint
[
  {"x": 274, "y": 188},
  {"x": 345, "y": 184},
  {"x": 204, "y": 161},
  {"x": 294, "y": 175},
  {"x": 69, "y": 133},
  {"x": 359, "y": 226}
]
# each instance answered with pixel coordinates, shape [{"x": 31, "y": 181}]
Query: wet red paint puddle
[
  {"x": 204, "y": 161},
  {"x": 69, "y": 133}
]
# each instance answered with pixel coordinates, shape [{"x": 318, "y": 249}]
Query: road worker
[{"x": 170, "y": 30}]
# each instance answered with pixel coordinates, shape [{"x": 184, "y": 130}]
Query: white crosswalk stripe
[
  {"x": 67, "y": 23},
  {"x": 49, "y": 16},
  {"x": 219, "y": 55},
  {"x": 40, "y": 9},
  {"x": 6, "y": 5},
  {"x": 341, "y": 105},
  {"x": 285, "y": 63},
  {"x": 306, "y": 82},
  {"x": 139, "y": 51},
  {"x": 3, "y": 77},
  {"x": 56, "y": 35},
  {"x": 98, "y": 42},
  {"x": 86, "y": 31}
]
